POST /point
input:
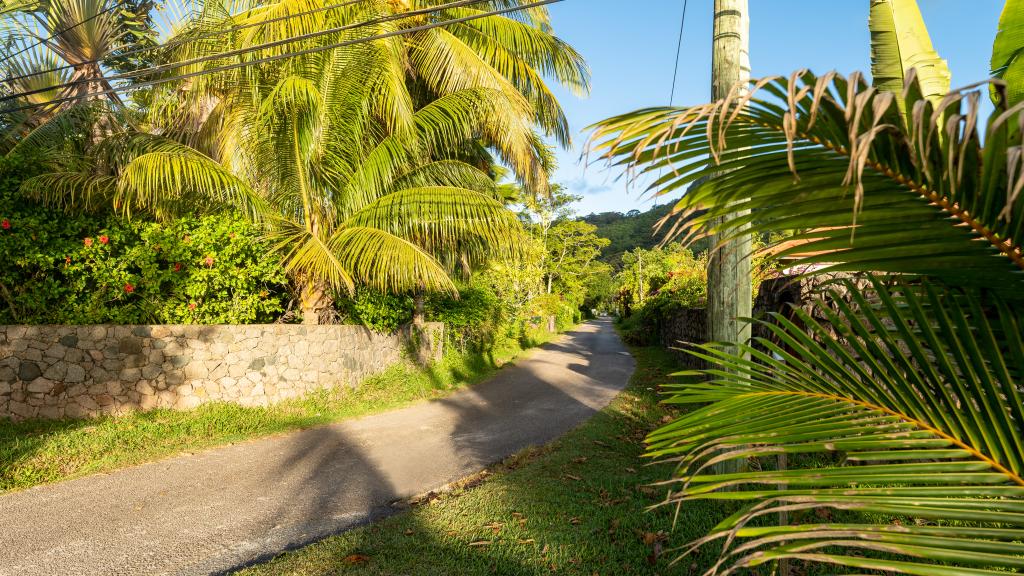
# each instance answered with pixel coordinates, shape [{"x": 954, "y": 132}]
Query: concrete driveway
[{"x": 225, "y": 508}]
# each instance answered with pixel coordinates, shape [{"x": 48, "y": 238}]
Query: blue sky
[{"x": 630, "y": 46}]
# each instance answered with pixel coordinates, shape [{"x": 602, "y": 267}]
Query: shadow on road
[{"x": 524, "y": 405}]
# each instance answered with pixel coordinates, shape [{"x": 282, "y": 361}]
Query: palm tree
[
  {"x": 905, "y": 381},
  {"x": 510, "y": 55},
  {"x": 73, "y": 33}
]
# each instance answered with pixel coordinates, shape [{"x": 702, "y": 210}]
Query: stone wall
[
  {"x": 689, "y": 325},
  {"x": 79, "y": 371}
]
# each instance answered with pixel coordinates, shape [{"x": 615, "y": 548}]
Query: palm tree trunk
[
  {"x": 313, "y": 298},
  {"x": 419, "y": 314},
  {"x": 729, "y": 293}
]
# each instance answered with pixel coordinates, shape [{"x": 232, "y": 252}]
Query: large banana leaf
[
  {"x": 899, "y": 44},
  {"x": 1008, "y": 50},
  {"x": 913, "y": 393},
  {"x": 830, "y": 160}
]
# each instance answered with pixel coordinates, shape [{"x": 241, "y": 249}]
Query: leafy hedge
[{"x": 61, "y": 268}]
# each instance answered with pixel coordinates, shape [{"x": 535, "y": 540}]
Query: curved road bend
[{"x": 229, "y": 507}]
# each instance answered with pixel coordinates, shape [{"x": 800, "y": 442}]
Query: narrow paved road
[{"x": 225, "y": 508}]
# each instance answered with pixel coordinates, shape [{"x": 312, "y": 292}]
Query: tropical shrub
[
  {"x": 87, "y": 268},
  {"x": 380, "y": 311},
  {"x": 474, "y": 321}
]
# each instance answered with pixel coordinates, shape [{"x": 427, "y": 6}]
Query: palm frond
[
  {"x": 450, "y": 121},
  {"x": 307, "y": 254},
  {"x": 168, "y": 182},
  {"x": 71, "y": 190},
  {"x": 525, "y": 54},
  {"x": 388, "y": 263},
  {"x": 912, "y": 392},
  {"x": 900, "y": 44},
  {"x": 445, "y": 219},
  {"x": 829, "y": 159},
  {"x": 1008, "y": 51}
]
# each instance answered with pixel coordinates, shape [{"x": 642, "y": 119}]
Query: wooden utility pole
[{"x": 729, "y": 295}]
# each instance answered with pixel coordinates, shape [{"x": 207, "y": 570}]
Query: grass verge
[
  {"x": 38, "y": 452},
  {"x": 577, "y": 506}
]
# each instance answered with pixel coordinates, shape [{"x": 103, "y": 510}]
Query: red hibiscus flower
[
  {"x": 88, "y": 242},
  {"x": 208, "y": 261},
  {"x": 192, "y": 306},
  {"x": 129, "y": 288},
  {"x": 104, "y": 240},
  {"x": 67, "y": 261},
  {"x": 5, "y": 224},
  {"x": 177, "y": 266}
]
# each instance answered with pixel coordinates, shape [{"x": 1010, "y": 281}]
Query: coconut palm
[
  {"x": 511, "y": 55},
  {"x": 904, "y": 383},
  {"x": 75, "y": 33}
]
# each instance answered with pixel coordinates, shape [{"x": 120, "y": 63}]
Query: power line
[
  {"x": 59, "y": 32},
  {"x": 304, "y": 52},
  {"x": 173, "y": 65},
  {"x": 185, "y": 40},
  {"x": 679, "y": 51},
  {"x": 675, "y": 73}
]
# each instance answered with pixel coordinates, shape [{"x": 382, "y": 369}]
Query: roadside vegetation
[
  {"x": 903, "y": 376},
  {"x": 40, "y": 452},
  {"x": 577, "y": 506}
]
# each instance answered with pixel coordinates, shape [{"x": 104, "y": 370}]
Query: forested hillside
[{"x": 628, "y": 231}]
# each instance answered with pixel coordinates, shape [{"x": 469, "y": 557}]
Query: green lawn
[
  {"x": 38, "y": 452},
  {"x": 574, "y": 507}
]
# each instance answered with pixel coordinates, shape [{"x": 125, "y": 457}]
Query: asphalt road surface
[{"x": 229, "y": 507}]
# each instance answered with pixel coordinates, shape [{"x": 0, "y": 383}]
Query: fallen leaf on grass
[
  {"x": 355, "y": 559},
  {"x": 652, "y": 558},
  {"x": 408, "y": 532},
  {"x": 647, "y": 490},
  {"x": 579, "y": 460},
  {"x": 571, "y": 477},
  {"x": 574, "y": 521},
  {"x": 480, "y": 543},
  {"x": 631, "y": 470},
  {"x": 604, "y": 444},
  {"x": 495, "y": 526},
  {"x": 527, "y": 541}
]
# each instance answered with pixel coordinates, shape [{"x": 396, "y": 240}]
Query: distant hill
[{"x": 629, "y": 230}]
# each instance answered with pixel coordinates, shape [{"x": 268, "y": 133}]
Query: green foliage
[
  {"x": 566, "y": 313},
  {"x": 98, "y": 268},
  {"x": 474, "y": 321},
  {"x": 572, "y": 248},
  {"x": 626, "y": 232},
  {"x": 379, "y": 311}
]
